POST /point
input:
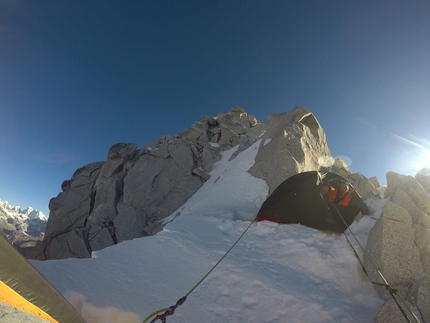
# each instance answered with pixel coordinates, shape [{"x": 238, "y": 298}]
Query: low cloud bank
[{"x": 93, "y": 314}]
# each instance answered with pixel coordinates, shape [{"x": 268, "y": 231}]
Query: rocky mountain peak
[{"x": 22, "y": 227}]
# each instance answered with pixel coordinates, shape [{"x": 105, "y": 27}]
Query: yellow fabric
[
  {"x": 9, "y": 296},
  {"x": 17, "y": 273}
]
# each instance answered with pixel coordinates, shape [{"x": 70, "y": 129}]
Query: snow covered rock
[{"x": 23, "y": 228}]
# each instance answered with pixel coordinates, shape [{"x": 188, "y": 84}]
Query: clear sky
[{"x": 77, "y": 77}]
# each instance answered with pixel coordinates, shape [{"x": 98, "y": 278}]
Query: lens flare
[{"x": 325, "y": 161}]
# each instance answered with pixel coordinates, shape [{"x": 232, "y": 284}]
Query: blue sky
[{"x": 77, "y": 77}]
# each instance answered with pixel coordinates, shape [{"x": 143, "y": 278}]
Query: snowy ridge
[
  {"x": 16, "y": 212},
  {"x": 276, "y": 273}
]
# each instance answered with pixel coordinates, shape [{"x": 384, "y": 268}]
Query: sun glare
[
  {"x": 419, "y": 157},
  {"x": 424, "y": 159}
]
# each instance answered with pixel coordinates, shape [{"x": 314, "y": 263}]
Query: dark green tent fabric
[
  {"x": 22, "y": 277},
  {"x": 297, "y": 200}
]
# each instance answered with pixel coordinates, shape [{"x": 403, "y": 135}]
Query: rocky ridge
[{"x": 128, "y": 195}]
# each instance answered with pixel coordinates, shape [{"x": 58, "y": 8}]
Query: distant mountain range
[{"x": 22, "y": 227}]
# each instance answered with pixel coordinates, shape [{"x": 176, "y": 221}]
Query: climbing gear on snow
[{"x": 167, "y": 311}]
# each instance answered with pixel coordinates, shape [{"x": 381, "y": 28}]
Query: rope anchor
[{"x": 168, "y": 311}]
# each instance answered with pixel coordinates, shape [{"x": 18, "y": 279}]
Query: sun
[
  {"x": 423, "y": 160},
  {"x": 417, "y": 157}
]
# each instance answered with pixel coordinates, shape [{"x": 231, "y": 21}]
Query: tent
[
  {"x": 298, "y": 200},
  {"x": 25, "y": 295}
]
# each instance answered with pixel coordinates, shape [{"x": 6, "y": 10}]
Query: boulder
[
  {"x": 193, "y": 133},
  {"x": 411, "y": 186},
  {"x": 422, "y": 241},
  {"x": 375, "y": 182},
  {"x": 210, "y": 155},
  {"x": 231, "y": 127},
  {"x": 418, "y": 216},
  {"x": 364, "y": 186},
  {"x": 227, "y": 129},
  {"x": 122, "y": 151},
  {"x": 399, "y": 246},
  {"x": 390, "y": 313},
  {"x": 154, "y": 188},
  {"x": 341, "y": 167},
  {"x": 293, "y": 143},
  {"x": 423, "y": 177},
  {"x": 64, "y": 245},
  {"x": 71, "y": 208},
  {"x": 202, "y": 174},
  {"x": 391, "y": 247}
]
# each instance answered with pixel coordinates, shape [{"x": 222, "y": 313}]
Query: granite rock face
[
  {"x": 399, "y": 246},
  {"x": 294, "y": 142},
  {"x": 128, "y": 195}
]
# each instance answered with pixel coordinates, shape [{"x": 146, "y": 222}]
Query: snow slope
[{"x": 276, "y": 273}]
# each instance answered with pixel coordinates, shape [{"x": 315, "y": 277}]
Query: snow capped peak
[
  {"x": 34, "y": 214},
  {"x": 7, "y": 207},
  {"x": 15, "y": 211},
  {"x": 22, "y": 227}
]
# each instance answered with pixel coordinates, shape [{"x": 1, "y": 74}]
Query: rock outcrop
[
  {"x": 127, "y": 195},
  {"x": 294, "y": 142},
  {"x": 399, "y": 246},
  {"x": 423, "y": 177}
]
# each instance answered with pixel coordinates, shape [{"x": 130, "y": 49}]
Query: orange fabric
[
  {"x": 9, "y": 296},
  {"x": 331, "y": 195}
]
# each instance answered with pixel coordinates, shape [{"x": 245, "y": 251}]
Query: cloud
[
  {"x": 93, "y": 314},
  {"x": 409, "y": 142},
  {"x": 54, "y": 158}
]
